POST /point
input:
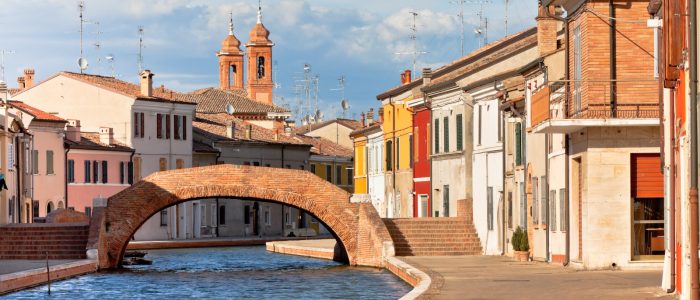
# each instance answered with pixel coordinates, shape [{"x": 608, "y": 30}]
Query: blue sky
[{"x": 357, "y": 39}]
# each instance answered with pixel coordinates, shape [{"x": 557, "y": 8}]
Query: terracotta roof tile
[
  {"x": 352, "y": 124},
  {"x": 214, "y": 100},
  {"x": 322, "y": 146},
  {"x": 91, "y": 141},
  {"x": 160, "y": 94},
  {"x": 198, "y": 146},
  {"x": 214, "y": 127},
  {"x": 363, "y": 130},
  {"x": 36, "y": 113}
]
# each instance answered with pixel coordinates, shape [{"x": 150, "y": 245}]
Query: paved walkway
[
  {"x": 497, "y": 277},
  {"x": 19, "y": 265}
]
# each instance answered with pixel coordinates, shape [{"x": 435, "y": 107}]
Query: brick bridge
[{"x": 356, "y": 226}]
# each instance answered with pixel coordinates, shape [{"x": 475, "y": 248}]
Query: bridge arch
[{"x": 356, "y": 226}]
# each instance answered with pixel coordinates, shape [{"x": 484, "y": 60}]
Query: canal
[{"x": 231, "y": 272}]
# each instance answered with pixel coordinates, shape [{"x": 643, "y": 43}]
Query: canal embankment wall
[{"x": 34, "y": 277}]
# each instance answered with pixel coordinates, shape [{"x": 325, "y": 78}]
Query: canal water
[{"x": 227, "y": 273}]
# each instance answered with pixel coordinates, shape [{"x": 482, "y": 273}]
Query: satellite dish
[
  {"x": 345, "y": 104},
  {"x": 109, "y": 57},
  {"x": 82, "y": 63},
  {"x": 229, "y": 109}
]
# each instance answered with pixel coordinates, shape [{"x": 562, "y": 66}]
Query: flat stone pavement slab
[
  {"x": 499, "y": 277},
  {"x": 8, "y": 266}
]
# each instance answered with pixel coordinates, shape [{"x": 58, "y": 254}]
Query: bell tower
[
  {"x": 259, "y": 49},
  {"x": 230, "y": 61}
]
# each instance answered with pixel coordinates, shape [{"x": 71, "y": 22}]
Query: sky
[{"x": 356, "y": 39}]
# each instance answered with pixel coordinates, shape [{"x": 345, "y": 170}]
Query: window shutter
[
  {"x": 95, "y": 171},
  {"x": 437, "y": 136},
  {"x": 143, "y": 126},
  {"x": 35, "y": 161},
  {"x": 460, "y": 142},
  {"x": 446, "y": 125},
  {"x": 177, "y": 127},
  {"x": 184, "y": 128},
  {"x": 389, "y": 147},
  {"x": 167, "y": 126},
  {"x": 136, "y": 125},
  {"x": 159, "y": 126},
  {"x": 49, "y": 162},
  {"x": 130, "y": 177},
  {"x": 518, "y": 144},
  {"x": 87, "y": 171},
  {"x": 104, "y": 171},
  {"x": 121, "y": 172}
]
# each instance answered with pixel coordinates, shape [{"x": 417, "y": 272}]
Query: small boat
[
  {"x": 135, "y": 253},
  {"x": 136, "y": 261}
]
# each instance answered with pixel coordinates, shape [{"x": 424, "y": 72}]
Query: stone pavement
[
  {"x": 498, "y": 277},
  {"x": 8, "y": 266}
]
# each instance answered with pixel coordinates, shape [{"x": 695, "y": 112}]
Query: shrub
[{"x": 519, "y": 240}]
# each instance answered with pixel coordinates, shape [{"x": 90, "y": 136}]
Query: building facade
[{"x": 422, "y": 199}]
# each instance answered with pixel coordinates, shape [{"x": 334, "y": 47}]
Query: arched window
[
  {"x": 261, "y": 67},
  {"x": 49, "y": 208},
  {"x": 60, "y": 204},
  {"x": 232, "y": 76}
]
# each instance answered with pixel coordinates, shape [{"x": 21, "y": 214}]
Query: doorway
[
  {"x": 647, "y": 193},
  {"x": 446, "y": 201},
  {"x": 423, "y": 206}
]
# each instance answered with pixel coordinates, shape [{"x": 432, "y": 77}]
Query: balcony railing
[{"x": 592, "y": 100}]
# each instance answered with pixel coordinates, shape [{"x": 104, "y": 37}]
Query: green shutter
[
  {"x": 518, "y": 145},
  {"x": 460, "y": 142},
  {"x": 446, "y": 125},
  {"x": 436, "y": 136}
]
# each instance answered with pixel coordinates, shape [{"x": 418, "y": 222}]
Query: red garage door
[{"x": 647, "y": 179}]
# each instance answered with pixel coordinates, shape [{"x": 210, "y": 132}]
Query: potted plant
[{"x": 520, "y": 244}]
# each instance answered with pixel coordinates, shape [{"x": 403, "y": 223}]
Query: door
[
  {"x": 647, "y": 184},
  {"x": 254, "y": 216},
  {"x": 446, "y": 201},
  {"x": 423, "y": 206}
]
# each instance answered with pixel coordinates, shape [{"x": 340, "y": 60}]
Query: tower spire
[
  {"x": 259, "y": 12},
  {"x": 230, "y": 23}
]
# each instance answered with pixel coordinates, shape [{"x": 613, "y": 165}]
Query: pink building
[{"x": 97, "y": 166}]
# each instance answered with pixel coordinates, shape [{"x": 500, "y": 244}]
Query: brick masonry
[
  {"x": 41, "y": 241},
  {"x": 356, "y": 226}
]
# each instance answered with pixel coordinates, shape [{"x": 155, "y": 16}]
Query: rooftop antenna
[
  {"x": 98, "y": 44},
  {"x": 110, "y": 60},
  {"x": 341, "y": 88},
  {"x": 482, "y": 31},
  {"x": 413, "y": 37},
  {"x": 140, "y": 58},
  {"x": 506, "y": 18},
  {"x": 82, "y": 62},
  {"x": 2, "y": 61}
]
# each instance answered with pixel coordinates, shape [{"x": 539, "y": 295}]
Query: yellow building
[
  {"x": 330, "y": 161},
  {"x": 360, "y": 158}
]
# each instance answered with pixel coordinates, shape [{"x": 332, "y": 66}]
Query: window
[
  {"x": 338, "y": 175},
  {"x": 130, "y": 173},
  {"x": 535, "y": 211},
  {"x": 489, "y": 207},
  {"x": 122, "y": 172},
  {"x": 543, "y": 200},
  {"x": 35, "y": 161},
  {"x": 523, "y": 206},
  {"x": 104, "y": 171},
  {"x": 446, "y": 133},
  {"x": 49, "y": 162},
  {"x": 313, "y": 168},
  {"x": 398, "y": 153},
  {"x": 287, "y": 216},
  {"x": 35, "y": 209},
  {"x": 577, "y": 69},
  {"x": 389, "y": 160},
  {"x": 179, "y": 164},
  {"x": 164, "y": 218},
  {"x": 266, "y": 216},
  {"x": 329, "y": 173},
  {"x": 518, "y": 145},
  {"x": 510, "y": 210},
  {"x": 222, "y": 215},
  {"x": 87, "y": 171},
  {"x": 163, "y": 164},
  {"x": 437, "y": 136},
  {"x": 553, "y": 210},
  {"x": 49, "y": 208},
  {"x": 256, "y": 163},
  {"x": 478, "y": 130},
  {"x": 159, "y": 126},
  {"x": 460, "y": 133},
  {"x": 95, "y": 171},
  {"x": 562, "y": 210},
  {"x": 246, "y": 214},
  {"x": 11, "y": 156},
  {"x": 410, "y": 150},
  {"x": 177, "y": 127},
  {"x": 261, "y": 67},
  {"x": 71, "y": 171},
  {"x": 88, "y": 211},
  {"x": 415, "y": 145},
  {"x": 349, "y": 175},
  {"x": 138, "y": 124},
  {"x": 246, "y": 163},
  {"x": 445, "y": 201}
]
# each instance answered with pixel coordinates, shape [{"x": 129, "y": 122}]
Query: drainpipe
[
  {"x": 566, "y": 136},
  {"x": 693, "y": 130},
  {"x": 218, "y": 155},
  {"x": 65, "y": 163},
  {"x": 613, "y": 71},
  {"x": 503, "y": 172},
  {"x": 672, "y": 189},
  {"x": 18, "y": 149}
]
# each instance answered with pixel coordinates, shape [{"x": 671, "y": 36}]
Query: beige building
[{"x": 337, "y": 131}]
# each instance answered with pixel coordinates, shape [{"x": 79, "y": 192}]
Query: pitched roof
[
  {"x": 200, "y": 147},
  {"x": 322, "y": 146},
  {"x": 214, "y": 100},
  {"x": 36, "y": 113},
  {"x": 91, "y": 141},
  {"x": 214, "y": 126},
  {"x": 160, "y": 94},
  {"x": 352, "y": 124},
  {"x": 363, "y": 130}
]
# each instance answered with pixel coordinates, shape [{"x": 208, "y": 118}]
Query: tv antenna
[
  {"x": 341, "y": 88},
  {"x": 82, "y": 62},
  {"x": 2, "y": 61},
  {"x": 413, "y": 37},
  {"x": 140, "y": 57},
  {"x": 482, "y": 30},
  {"x": 506, "y": 18},
  {"x": 461, "y": 4}
]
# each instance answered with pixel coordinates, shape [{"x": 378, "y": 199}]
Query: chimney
[
  {"x": 231, "y": 130},
  {"x": 73, "y": 130},
  {"x": 249, "y": 132},
  {"x": 406, "y": 77},
  {"x": 28, "y": 78},
  {"x": 106, "y": 135},
  {"x": 147, "y": 83},
  {"x": 546, "y": 29},
  {"x": 370, "y": 116},
  {"x": 427, "y": 76},
  {"x": 21, "y": 83},
  {"x": 380, "y": 114},
  {"x": 288, "y": 130},
  {"x": 362, "y": 119}
]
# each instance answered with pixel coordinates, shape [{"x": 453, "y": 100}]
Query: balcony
[{"x": 568, "y": 106}]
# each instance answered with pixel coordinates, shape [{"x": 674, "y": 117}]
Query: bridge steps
[
  {"x": 33, "y": 241},
  {"x": 433, "y": 236}
]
